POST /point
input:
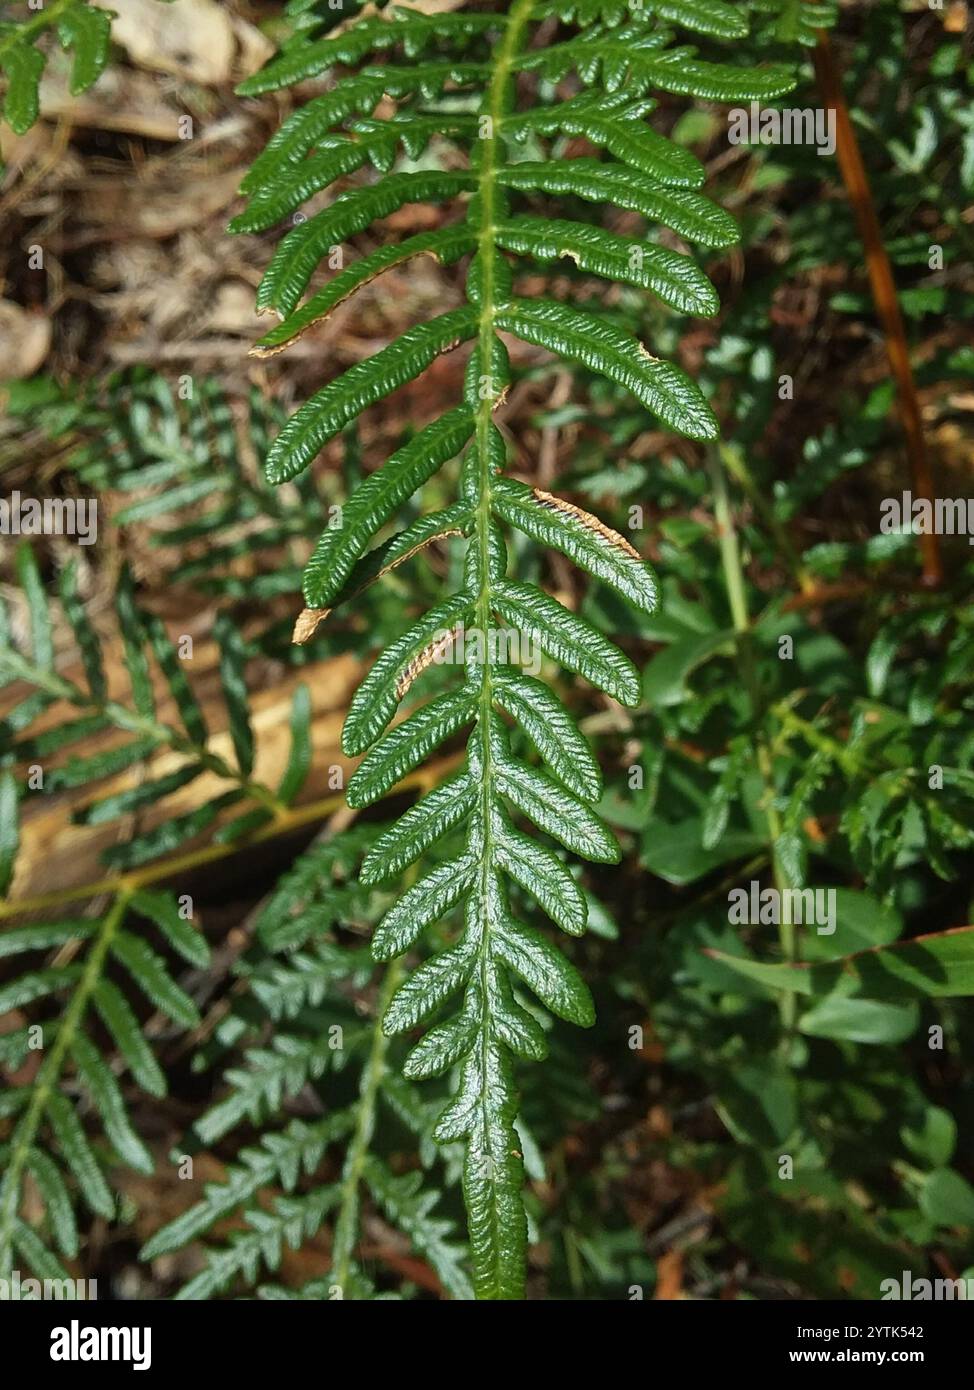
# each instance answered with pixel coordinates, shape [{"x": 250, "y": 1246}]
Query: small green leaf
[
  {"x": 661, "y": 387},
  {"x": 133, "y": 640},
  {"x": 557, "y": 811},
  {"x": 40, "y": 619},
  {"x": 171, "y": 665},
  {"x": 182, "y": 936},
  {"x": 552, "y": 730},
  {"x": 330, "y": 409},
  {"x": 937, "y": 966},
  {"x": 79, "y": 1156},
  {"x": 541, "y": 874},
  {"x": 665, "y": 678},
  {"x": 947, "y": 1198},
  {"x": 101, "y": 1084},
  {"x": 85, "y": 636},
  {"x": 24, "y": 66},
  {"x": 150, "y": 973},
  {"x": 423, "y": 903},
  {"x": 860, "y": 1020},
  {"x": 591, "y": 544},
  {"x": 9, "y": 828},
  {"x": 377, "y": 499},
  {"x": 87, "y": 31},
  {"x": 128, "y": 1037},
  {"x": 674, "y": 277},
  {"x": 421, "y": 826},
  {"x": 299, "y": 756},
  {"x": 409, "y": 744},
  {"x": 554, "y": 980},
  {"x": 375, "y": 701},
  {"x": 57, "y": 1201},
  {"x": 232, "y": 663},
  {"x": 568, "y": 639},
  {"x": 687, "y": 212}
]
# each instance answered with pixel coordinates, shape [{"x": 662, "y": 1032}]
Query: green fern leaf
[
  {"x": 409, "y": 1209},
  {"x": 714, "y": 17},
  {"x": 24, "y": 67},
  {"x": 675, "y": 278},
  {"x": 180, "y": 933},
  {"x": 568, "y": 639},
  {"x": 298, "y": 255},
  {"x": 421, "y": 826},
  {"x": 409, "y": 744},
  {"x": 77, "y": 1154},
  {"x": 307, "y": 432},
  {"x": 104, "y": 1091},
  {"x": 445, "y": 246},
  {"x": 149, "y": 972},
  {"x": 86, "y": 32},
  {"x": 122, "y": 1024},
  {"x": 9, "y": 828},
  {"x": 618, "y": 57},
  {"x": 552, "y": 730},
  {"x": 664, "y": 389},
  {"x": 57, "y": 1201},
  {"x": 379, "y": 497},
  {"x": 281, "y": 1157},
  {"x": 592, "y": 545}
]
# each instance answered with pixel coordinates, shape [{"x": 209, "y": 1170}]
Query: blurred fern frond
[{"x": 296, "y": 1024}]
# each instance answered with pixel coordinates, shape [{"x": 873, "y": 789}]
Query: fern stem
[
  {"x": 346, "y": 1223},
  {"x": 883, "y": 287},
  {"x": 733, "y": 569},
  {"x": 736, "y": 465},
  {"x": 496, "y": 1282},
  {"x": 50, "y": 1072}
]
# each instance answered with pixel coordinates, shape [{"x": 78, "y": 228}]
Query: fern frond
[
  {"x": 308, "y": 988},
  {"x": 74, "y": 1123},
  {"x": 281, "y": 1157},
  {"x": 469, "y": 57},
  {"x": 288, "y": 1223},
  {"x": 74, "y": 1065},
  {"x": 189, "y": 466},
  {"x": 714, "y": 17},
  {"x": 144, "y": 734},
  {"x": 793, "y": 21},
  {"x": 409, "y": 1208}
]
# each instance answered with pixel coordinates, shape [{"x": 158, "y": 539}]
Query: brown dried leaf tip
[
  {"x": 307, "y": 624},
  {"x": 424, "y": 659},
  {"x": 590, "y": 522}
]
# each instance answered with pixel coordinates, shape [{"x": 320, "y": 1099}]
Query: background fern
[
  {"x": 185, "y": 472},
  {"x": 75, "y": 977},
  {"x": 143, "y": 732},
  {"x": 81, "y": 988}
]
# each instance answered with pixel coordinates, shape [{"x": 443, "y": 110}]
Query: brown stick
[{"x": 884, "y": 292}]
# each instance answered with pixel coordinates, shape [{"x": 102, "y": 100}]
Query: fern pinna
[{"x": 588, "y": 66}]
